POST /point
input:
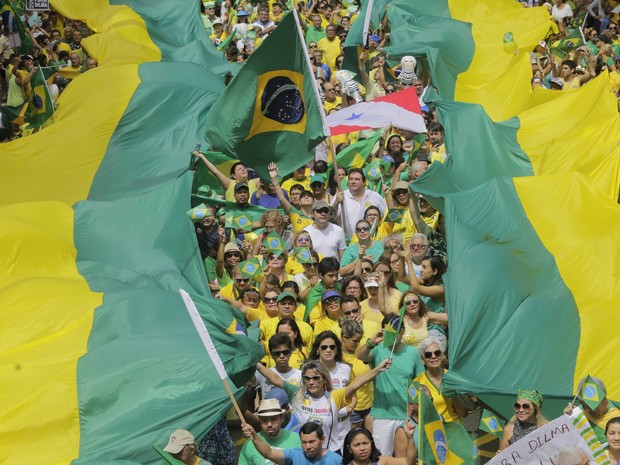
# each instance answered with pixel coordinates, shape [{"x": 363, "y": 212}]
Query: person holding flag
[
  {"x": 366, "y": 247},
  {"x": 390, "y": 403}
]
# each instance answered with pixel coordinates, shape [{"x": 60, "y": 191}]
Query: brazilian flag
[
  {"x": 395, "y": 215},
  {"x": 274, "y": 243},
  {"x": 40, "y": 105},
  {"x": 250, "y": 268},
  {"x": 270, "y": 111},
  {"x": 303, "y": 255},
  {"x": 204, "y": 177},
  {"x": 491, "y": 424},
  {"x": 439, "y": 442},
  {"x": 238, "y": 221},
  {"x": 392, "y": 328},
  {"x": 564, "y": 46},
  {"x": 591, "y": 393},
  {"x": 355, "y": 155}
]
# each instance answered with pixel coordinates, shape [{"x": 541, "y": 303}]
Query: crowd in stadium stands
[{"x": 323, "y": 321}]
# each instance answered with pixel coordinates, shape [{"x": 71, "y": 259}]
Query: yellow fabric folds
[
  {"x": 581, "y": 228},
  {"x": 498, "y": 79},
  {"x": 46, "y": 306}
]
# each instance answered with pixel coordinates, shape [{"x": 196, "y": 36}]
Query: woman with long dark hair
[{"x": 359, "y": 449}]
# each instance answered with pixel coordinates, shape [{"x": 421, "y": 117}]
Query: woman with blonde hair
[{"x": 528, "y": 417}]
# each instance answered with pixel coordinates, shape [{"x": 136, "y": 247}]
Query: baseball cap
[
  {"x": 285, "y": 295},
  {"x": 178, "y": 440},
  {"x": 242, "y": 13},
  {"x": 317, "y": 178},
  {"x": 329, "y": 294},
  {"x": 319, "y": 204},
  {"x": 217, "y": 21},
  {"x": 558, "y": 82},
  {"x": 241, "y": 185},
  {"x": 400, "y": 185},
  {"x": 375, "y": 38}
]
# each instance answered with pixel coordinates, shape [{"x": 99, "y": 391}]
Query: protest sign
[
  {"x": 40, "y": 5},
  {"x": 543, "y": 446}
]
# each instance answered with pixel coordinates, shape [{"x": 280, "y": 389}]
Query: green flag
[
  {"x": 250, "y": 268},
  {"x": 303, "y": 255},
  {"x": 40, "y": 105},
  {"x": 270, "y": 111},
  {"x": 167, "y": 458},
  {"x": 238, "y": 220},
  {"x": 591, "y": 393},
  {"x": 204, "y": 177},
  {"x": 414, "y": 392},
  {"x": 491, "y": 424},
  {"x": 226, "y": 42},
  {"x": 355, "y": 155},
  {"x": 274, "y": 243},
  {"x": 373, "y": 170},
  {"x": 418, "y": 140},
  {"x": 392, "y": 328},
  {"x": 26, "y": 43},
  {"x": 199, "y": 212},
  {"x": 395, "y": 215},
  {"x": 562, "y": 47},
  {"x": 232, "y": 210},
  {"x": 439, "y": 442}
]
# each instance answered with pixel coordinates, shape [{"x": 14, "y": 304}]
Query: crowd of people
[{"x": 330, "y": 390}]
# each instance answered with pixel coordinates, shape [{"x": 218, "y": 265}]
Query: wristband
[{"x": 370, "y": 344}]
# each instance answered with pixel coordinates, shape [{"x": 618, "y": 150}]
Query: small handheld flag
[
  {"x": 418, "y": 140},
  {"x": 414, "y": 392},
  {"x": 250, "y": 268},
  {"x": 199, "y": 212},
  {"x": 303, "y": 255},
  {"x": 591, "y": 393},
  {"x": 274, "y": 243},
  {"x": 395, "y": 215},
  {"x": 491, "y": 424},
  {"x": 373, "y": 171},
  {"x": 238, "y": 221}
]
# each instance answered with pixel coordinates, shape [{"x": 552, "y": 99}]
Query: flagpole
[
  {"x": 48, "y": 93},
  {"x": 366, "y": 29},
  {"x": 211, "y": 350}
]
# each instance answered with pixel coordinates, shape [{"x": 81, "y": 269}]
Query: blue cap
[
  {"x": 279, "y": 394},
  {"x": 330, "y": 294},
  {"x": 375, "y": 38},
  {"x": 242, "y": 13}
]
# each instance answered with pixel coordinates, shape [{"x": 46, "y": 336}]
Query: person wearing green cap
[
  {"x": 528, "y": 417},
  {"x": 287, "y": 304}
]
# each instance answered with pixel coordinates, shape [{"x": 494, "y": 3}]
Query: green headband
[{"x": 532, "y": 395}]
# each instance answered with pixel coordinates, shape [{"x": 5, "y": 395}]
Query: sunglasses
[
  {"x": 332, "y": 301},
  {"x": 311, "y": 378},
  {"x": 270, "y": 299},
  {"x": 242, "y": 280},
  {"x": 430, "y": 354},
  {"x": 278, "y": 353},
  {"x": 330, "y": 347},
  {"x": 417, "y": 246},
  {"x": 349, "y": 312},
  {"x": 412, "y": 301},
  {"x": 525, "y": 407},
  {"x": 389, "y": 91},
  {"x": 401, "y": 192},
  {"x": 322, "y": 210},
  {"x": 233, "y": 254},
  {"x": 362, "y": 229}
]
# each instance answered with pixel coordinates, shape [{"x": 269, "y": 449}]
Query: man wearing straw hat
[{"x": 270, "y": 414}]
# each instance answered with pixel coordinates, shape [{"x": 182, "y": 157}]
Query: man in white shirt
[
  {"x": 356, "y": 200},
  {"x": 263, "y": 26},
  {"x": 327, "y": 238}
]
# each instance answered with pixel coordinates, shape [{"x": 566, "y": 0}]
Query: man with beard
[{"x": 270, "y": 415}]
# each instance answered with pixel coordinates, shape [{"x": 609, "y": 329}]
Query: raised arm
[
  {"x": 271, "y": 375},
  {"x": 416, "y": 216},
  {"x": 273, "y": 174},
  {"x": 223, "y": 179},
  {"x": 364, "y": 352},
  {"x": 366, "y": 377},
  {"x": 264, "y": 449}
]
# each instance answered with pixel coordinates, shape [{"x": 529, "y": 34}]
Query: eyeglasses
[
  {"x": 412, "y": 301},
  {"x": 311, "y": 378},
  {"x": 332, "y": 301},
  {"x": 366, "y": 270},
  {"x": 270, "y": 299},
  {"x": 322, "y": 210},
  {"x": 233, "y": 254},
  {"x": 393, "y": 262},
  {"x": 278, "y": 353},
  {"x": 524, "y": 407},
  {"x": 311, "y": 46},
  {"x": 430, "y": 354},
  {"x": 418, "y": 246},
  {"x": 330, "y": 347},
  {"x": 362, "y": 229},
  {"x": 349, "y": 312},
  {"x": 385, "y": 272},
  {"x": 242, "y": 280}
]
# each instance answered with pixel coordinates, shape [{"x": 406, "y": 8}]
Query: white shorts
[{"x": 383, "y": 432}]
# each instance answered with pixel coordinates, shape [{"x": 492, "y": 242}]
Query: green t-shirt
[
  {"x": 391, "y": 386},
  {"x": 250, "y": 456},
  {"x": 209, "y": 264},
  {"x": 352, "y": 252},
  {"x": 314, "y": 35}
]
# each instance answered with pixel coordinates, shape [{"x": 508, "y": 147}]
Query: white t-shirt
[
  {"x": 328, "y": 241},
  {"x": 561, "y": 14},
  {"x": 293, "y": 377},
  {"x": 355, "y": 209},
  {"x": 341, "y": 376}
]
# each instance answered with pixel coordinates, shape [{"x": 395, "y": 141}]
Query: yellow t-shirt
[
  {"x": 413, "y": 336},
  {"x": 574, "y": 83},
  {"x": 324, "y": 323},
  {"x": 298, "y": 222},
  {"x": 257, "y": 314},
  {"x": 369, "y": 314},
  {"x": 296, "y": 361},
  {"x": 331, "y": 50},
  {"x": 328, "y": 106},
  {"x": 369, "y": 328},
  {"x": 443, "y": 405},
  {"x": 365, "y": 394},
  {"x": 286, "y": 185},
  {"x": 268, "y": 328},
  {"x": 230, "y": 192}
]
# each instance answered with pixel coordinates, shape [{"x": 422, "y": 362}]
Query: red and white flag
[{"x": 400, "y": 109}]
